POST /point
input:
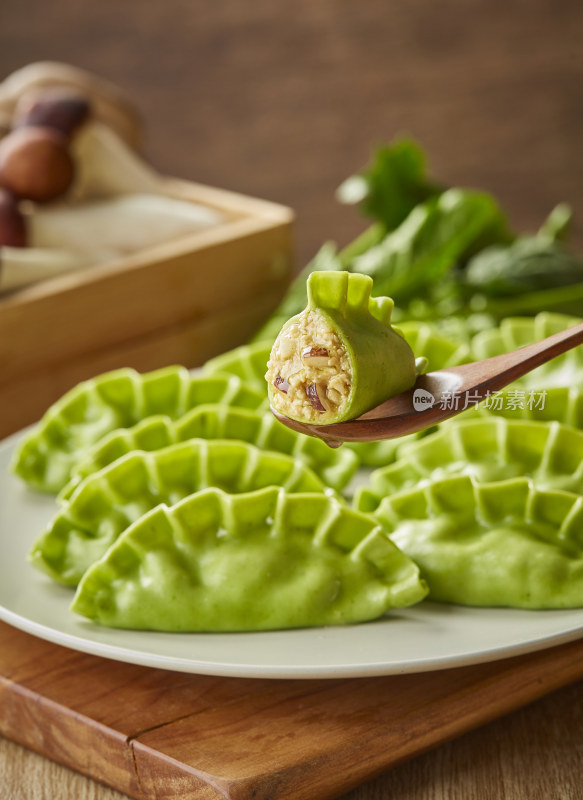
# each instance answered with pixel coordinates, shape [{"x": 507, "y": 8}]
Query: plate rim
[{"x": 280, "y": 672}]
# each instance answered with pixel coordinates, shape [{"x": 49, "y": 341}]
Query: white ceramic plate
[{"x": 426, "y": 637}]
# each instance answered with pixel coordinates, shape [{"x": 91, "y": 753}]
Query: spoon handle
[{"x": 494, "y": 373}]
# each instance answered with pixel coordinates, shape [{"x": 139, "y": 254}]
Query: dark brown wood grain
[
  {"x": 283, "y": 100},
  {"x": 162, "y": 735}
]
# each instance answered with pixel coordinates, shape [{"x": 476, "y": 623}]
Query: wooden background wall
[{"x": 283, "y": 99}]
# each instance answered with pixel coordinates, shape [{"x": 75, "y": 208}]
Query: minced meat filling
[{"x": 310, "y": 369}]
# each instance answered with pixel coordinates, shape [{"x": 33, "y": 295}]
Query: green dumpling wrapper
[
  {"x": 440, "y": 352},
  {"x": 559, "y": 403},
  {"x": 340, "y": 357},
  {"x": 488, "y": 449},
  {"x": 46, "y": 456},
  {"x": 218, "y": 421},
  {"x": 248, "y": 362},
  {"x": 515, "y": 332},
  {"x": 495, "y": 544},
  {"x": 553, "y": 391},
  {"x": 259, "y": 561},
  {"x": 105, "y": 503}
]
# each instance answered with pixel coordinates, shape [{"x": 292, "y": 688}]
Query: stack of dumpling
[
  {"x": 489, "y": 505},
  {"x": 184, "y": 505}
]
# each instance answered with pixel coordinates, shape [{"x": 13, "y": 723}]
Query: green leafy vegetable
[
  {"x": 430, "y": 242},
  {"x": 445, "y": 256},
  {"x": 557, "y": 224},
  {"x": 392, "y": 185},
  {"x": 527, "y": 265},
  {"x": 531, "y": 263},
  {"x": 389, "y": 189},
  {"x": 412, "y": 261}
]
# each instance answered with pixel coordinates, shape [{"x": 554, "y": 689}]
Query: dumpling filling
[{"x": 310, "y": 369}]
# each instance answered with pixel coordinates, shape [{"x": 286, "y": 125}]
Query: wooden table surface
[
  {"x": 533, "y": 754},
  {"x": 282, "y": 101}
]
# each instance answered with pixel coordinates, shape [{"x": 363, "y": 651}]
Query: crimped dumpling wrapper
[
  {"x": 218, "y": 421},
  {"x": 488, "y": 449},
  {"x": 105, "y": 503},
  {"x": 258, "y": 561},
  {"x": 47, "y": 455},
  {"x": 505, "y": 543}
]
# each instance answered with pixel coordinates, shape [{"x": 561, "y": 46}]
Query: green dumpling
[
  {"x": 258, "y": 561},
  {"x": 553, "y": 391},
  {"x": 487, "y": 449},
  {"x": 340, "y": 357},
  {"x": 427, "y": 341},
  {"x": 559, "y": 403},
  {"x": 46, "y": 456},
  {"x": 440, "y": 352},
  {"x": 515, "y": 332},
  {"x": 248, "y": 362},
  {"x": 493, "y": 544},
  {"x": 105, "y": 503},
  {"x": 218, "y": 421}
]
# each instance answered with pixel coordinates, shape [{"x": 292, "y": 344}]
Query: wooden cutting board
[{"x": 157, "y": 734}]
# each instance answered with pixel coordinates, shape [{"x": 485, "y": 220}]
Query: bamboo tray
[{"x": 181, "y": 302}]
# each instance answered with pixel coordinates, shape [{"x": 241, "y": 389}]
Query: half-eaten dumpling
[{"x": 340, "y": 356}]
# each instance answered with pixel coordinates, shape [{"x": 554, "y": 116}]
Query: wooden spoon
[{"x": 437, "y": 396}]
